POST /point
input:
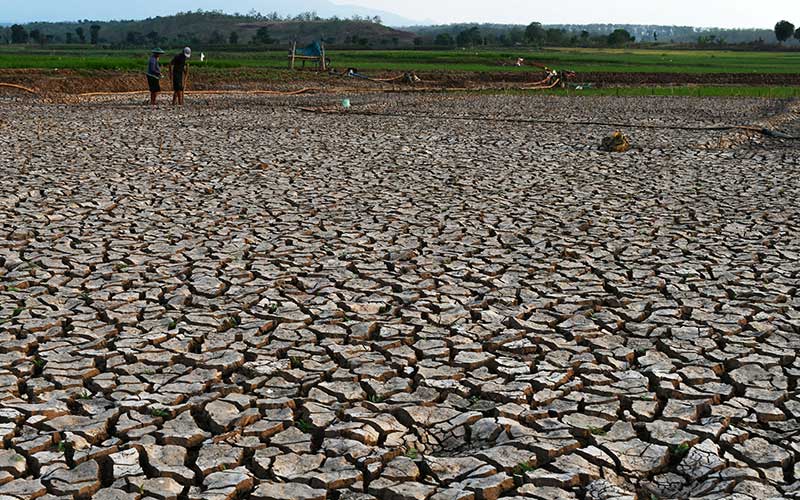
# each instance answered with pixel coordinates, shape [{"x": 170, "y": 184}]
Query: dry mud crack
[{"x": 241, "y": 300}]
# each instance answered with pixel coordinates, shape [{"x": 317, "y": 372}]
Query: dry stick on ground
[
  {"x": 19, "y": 87},
  {"x": 539, "y": 86}
]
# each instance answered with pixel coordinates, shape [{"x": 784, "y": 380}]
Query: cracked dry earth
[{"x": 243, "y": 300}]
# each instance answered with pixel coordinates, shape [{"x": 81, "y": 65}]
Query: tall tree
[
  {"x": 784, "y": 31},
  {"x": 18, "y": 34},
  {"x": 216, "y": 38},
  {"x": 535, "y": 34},
  {"x": 94, "y": 33},
  {"x": 262, "y": 36},
  {"x": 444, "y": 39},
  {"x": 233, "y": 38},
  {"x": 556, "y": 36},
  {"x": 797, "y": 34},
  {"x": 134, "y": 38},
  {"x": 37, "y": 37},
  {"x": 470, "y": 37},
  {"x": 620, "y": 37},
  {"x": 516, "y": 36},
  {"x": 81, "y": 34}
]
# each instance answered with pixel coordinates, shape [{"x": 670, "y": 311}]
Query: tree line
[
  {"x": 785, "y": 30},
  {"x": 19, "y": 35},
  {"x": 535, "y": 35},
  {"x": 218, "y": 29}
]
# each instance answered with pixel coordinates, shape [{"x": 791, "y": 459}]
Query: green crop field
[
  {"x": 582, "y": 60},
  {"x": 678, "y": 91}
]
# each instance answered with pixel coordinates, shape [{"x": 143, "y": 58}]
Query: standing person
[
  {"x": 179, "y": 70},
  {"x": 154, "y": 75}
]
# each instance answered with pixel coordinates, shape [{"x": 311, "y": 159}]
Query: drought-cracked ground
[{"x": 241, "y": 299}]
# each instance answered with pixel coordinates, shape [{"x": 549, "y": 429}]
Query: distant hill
[
  {"x": 105, "y": 10},
  {"x": 215, "y": 28},
  {"x": 334, "y": 32}
]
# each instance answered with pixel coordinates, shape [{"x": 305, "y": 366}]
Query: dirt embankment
[
  {"x": 700, "y": 79},
  {"x": 458, "y": 78},
  {"x": 76, "y": 82}
]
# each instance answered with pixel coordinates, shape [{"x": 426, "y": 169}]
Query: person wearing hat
[
  {"x": 154, "y": 75},
  {"x": 179, "y": 69}
]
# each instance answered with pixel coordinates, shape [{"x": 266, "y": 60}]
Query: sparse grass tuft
[
  {"x": 523, "y": 467},
  {"x": 681, "y": 450},
  {"x": 597, "y": 431},
  {"x": 64, "y": 447},
  {"x": 305, "y": 426},
  {"x": 412, "y": 453},
  {"x": 159, "y": 412},
  {"x": 232, "y": 322}
]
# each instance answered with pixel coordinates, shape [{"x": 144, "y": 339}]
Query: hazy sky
[
  {"x": 712, "y": 13},
  {"x": 706, "y": 13}
]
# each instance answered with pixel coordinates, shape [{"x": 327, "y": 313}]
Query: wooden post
[
  {"x": 294, "y": 51},
  {"x": 322, "y": 46}
]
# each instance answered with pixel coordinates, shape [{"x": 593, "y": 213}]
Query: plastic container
[{"x": 346, "y": 103}]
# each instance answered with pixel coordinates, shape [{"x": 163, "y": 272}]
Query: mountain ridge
[{"x": 102, "y": 10}]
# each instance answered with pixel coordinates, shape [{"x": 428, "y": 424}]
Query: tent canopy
[{"x": 312, "y": 50}]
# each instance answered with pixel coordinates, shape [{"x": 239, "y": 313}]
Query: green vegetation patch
[{"x": 472, "y": 60}]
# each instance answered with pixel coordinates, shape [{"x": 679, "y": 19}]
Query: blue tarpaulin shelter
[{"x": 312, "y": 52}]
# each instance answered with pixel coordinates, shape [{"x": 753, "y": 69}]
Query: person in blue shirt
[{"x": 154, "y": 75}]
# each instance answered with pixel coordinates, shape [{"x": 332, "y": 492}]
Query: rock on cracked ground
[{"x": 243, "y": 300}]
